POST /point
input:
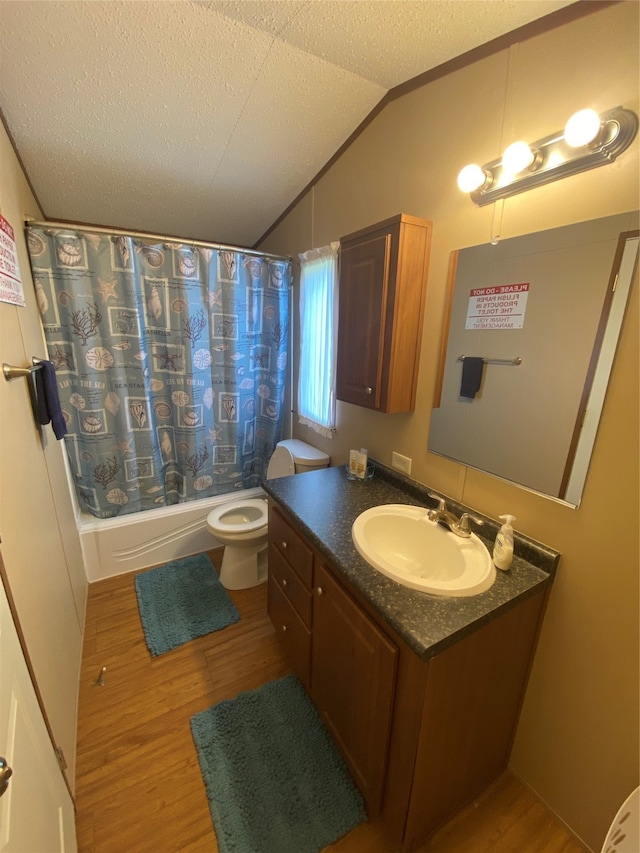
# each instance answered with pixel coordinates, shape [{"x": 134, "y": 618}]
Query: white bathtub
[{"x": 113, "y": 546}]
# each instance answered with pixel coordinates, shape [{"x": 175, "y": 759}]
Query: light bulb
[
  {"x": 582, "y": 128},
  {"x": 471, "y": 178},
  {"x": 517, "y": 157}
]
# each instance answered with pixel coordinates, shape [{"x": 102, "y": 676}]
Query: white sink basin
[{"x": 403, "y": 543}]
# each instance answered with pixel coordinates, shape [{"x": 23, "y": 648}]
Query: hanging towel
[
  {"x": 48, "y": 402},
  {"x": 472, "y": 368}
]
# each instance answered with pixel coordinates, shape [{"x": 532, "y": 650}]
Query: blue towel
[
  {"x": 472, "y": 368},
  {"x": 48, "y": 402}
]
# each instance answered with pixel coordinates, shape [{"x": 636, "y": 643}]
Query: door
[
  {"x": 364, "y": 276},
  {"x": 44, "y": 570},
  {"x": 352, "y": 683},
  {"x": 36, "y": 809}
]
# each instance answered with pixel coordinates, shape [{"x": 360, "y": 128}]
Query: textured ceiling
[{"x": 207, "y": 119}]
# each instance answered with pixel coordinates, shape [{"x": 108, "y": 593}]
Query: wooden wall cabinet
[
  {"x": 383, "y": 282},
  {"x": 421, "y": 738}
]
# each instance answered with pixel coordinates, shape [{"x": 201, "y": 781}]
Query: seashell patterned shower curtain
[{"x": 170, "y": 360}]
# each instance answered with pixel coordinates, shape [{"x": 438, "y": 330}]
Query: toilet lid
[
  {"x": 290, "y": 451},
  {"x": 239, "y": 516},
  {"x": 303, "y": 452},
  {"x": 282, "y": 463}
]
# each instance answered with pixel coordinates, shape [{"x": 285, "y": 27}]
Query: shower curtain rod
[{"x": 157, "y": 238}]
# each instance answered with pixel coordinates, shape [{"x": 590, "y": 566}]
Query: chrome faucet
[{"x": 442, "y": 515}]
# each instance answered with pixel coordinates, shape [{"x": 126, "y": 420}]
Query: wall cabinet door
[
  {"x": 353, "y": 674},
  {"x": 383, "y": 277},
  {"x": 364, "y": 284}
]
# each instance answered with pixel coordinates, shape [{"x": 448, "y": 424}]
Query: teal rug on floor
[
  {"x": 180, "y": 601},
  {"x": 275, "y": 781}
]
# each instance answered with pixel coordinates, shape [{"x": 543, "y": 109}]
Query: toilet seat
[{"x": 239, "y": 516}]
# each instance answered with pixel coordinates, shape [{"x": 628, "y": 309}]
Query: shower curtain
[{"x": 170, "y": 361}]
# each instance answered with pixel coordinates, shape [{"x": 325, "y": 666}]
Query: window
[{"x": 318, "y": 338}]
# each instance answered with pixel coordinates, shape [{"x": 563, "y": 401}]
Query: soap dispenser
[{"x": 503, "y": 548}]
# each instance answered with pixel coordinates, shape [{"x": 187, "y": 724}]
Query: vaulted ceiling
[{"x": 207, "y": 119}]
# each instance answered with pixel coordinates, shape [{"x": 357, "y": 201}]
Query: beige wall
[
  {"x": 577, "y": 742},
  {"x": 40, "y": 546}
]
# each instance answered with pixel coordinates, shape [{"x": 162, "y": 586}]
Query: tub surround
[
  {"x": 132, "y": 542},
  {"x": 325, "y": 504}
]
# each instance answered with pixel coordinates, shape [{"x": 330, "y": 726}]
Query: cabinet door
[
  {"x": 353, "y": 679},
  {"x": 364, "y": 280}
]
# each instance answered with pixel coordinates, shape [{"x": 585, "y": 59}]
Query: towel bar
[
  {"x": 516, "y": 360},
  {"x": 10, "y": 371}
]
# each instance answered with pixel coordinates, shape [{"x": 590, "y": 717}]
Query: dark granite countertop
[{"x": 325, "y": 504}]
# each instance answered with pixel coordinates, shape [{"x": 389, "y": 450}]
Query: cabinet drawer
[
  {"x": 292, "y": 632},
  {"x": 291, "y": 546},
  {"x": 291, "y": 585}
]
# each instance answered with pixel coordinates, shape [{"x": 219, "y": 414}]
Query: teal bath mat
[
  {"x": 274, "y": 779},
  {"x": 180, "y": 601}
]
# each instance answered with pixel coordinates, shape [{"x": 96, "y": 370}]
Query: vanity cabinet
[
  {"x": 421, "y": 738},
  {"x": 383, "y": 280}
]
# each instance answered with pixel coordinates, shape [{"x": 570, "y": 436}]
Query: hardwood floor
[{"x": 138, "y": 783}]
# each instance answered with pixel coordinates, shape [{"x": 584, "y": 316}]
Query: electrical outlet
[{"x": 402, "y": 463}]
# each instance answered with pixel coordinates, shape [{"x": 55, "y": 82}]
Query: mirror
[{"x": 532, "y": 331}]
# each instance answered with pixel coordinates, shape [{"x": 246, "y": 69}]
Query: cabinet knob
[
  {"x": 284, "y": 627},
  {"x": 284, "y": 581},
  {"x": 319, "y": 590},
  {"x": 284, "y": 546},
  {"x": 368, "y": 389}
]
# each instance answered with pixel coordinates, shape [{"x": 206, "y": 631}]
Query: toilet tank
[{"x": 293, "y": 456}]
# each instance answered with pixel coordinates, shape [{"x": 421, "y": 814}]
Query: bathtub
[{"x": 113, "y": 546}]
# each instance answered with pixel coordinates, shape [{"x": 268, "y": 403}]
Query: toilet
[{"x": 241, "y": 525}]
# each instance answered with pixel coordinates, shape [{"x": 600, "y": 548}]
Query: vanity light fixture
[{"x": 588, "y": 140}]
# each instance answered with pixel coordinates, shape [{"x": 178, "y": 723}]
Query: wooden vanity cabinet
[
  {"x": 421, "y": 738},
  {"x": 383, "y": 280}
]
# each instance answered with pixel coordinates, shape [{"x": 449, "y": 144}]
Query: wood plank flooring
[{"x": 138, "y": 783}]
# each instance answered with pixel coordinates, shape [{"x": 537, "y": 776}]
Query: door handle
[{"x": 5, "y": 773}]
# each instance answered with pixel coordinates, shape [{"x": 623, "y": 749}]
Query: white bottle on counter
[{"x": 503, "y": 548}]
